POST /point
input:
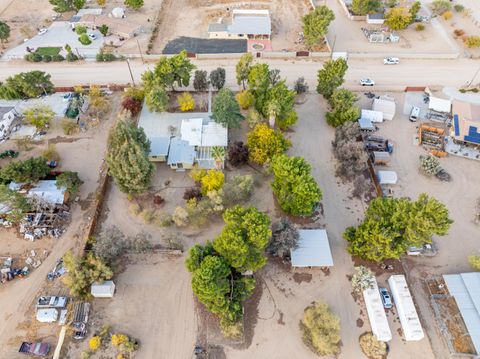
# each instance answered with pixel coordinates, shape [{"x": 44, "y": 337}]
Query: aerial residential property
[{"x": 264, "y": 179}]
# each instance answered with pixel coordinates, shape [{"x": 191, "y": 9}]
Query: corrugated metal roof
[
  {"x": 180, "y": 152},
  {"x": 159, "y": 146},
  {"x": 387, "y": 107},
  {"x": 313, "y": 249},
  {"x": 214, "y": 134},
  {"x": 465, "y": 288},
  {"x": 254, "y": 25},
  {"x": 412, "y": 328},
  {"x": 191, "y": 130},
  {"x": 46, "y": 190},
  {"x": 439, "y": 104},
  {"x": 376, "y": 313}
]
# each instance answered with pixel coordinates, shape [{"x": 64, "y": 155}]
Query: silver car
[{"x": 367, "y": 82}]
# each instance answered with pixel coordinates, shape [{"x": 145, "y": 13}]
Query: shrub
[
  {"x": 71, "y": 57},
  {"x": 134, "y": 209},
  {"x": 440, "y": 6},
  {"x": 80, "y": 30},
  {"x": 231, "y": 330},
  {"x": 47, "y": 58},
  {"x": 447, "y": 15},
  {"x": 254, "y": 118},
  {"x": 264, "y": 143},
  {"x": 472, "y": 41},
  {"x": 430, "y": 165},
  {"x": 459, "y": 32},
  {"x": 163, "y": 220},
  {"x": 69, "y": 127},
  {"x": 57, "y": 58},
  {"x": 110, "y": 244},
  {"x": 180, "y": 217},
  {"x": 458, "y": 7},
  {"x": 185, "y": 102},
  {"x": 238, "y": 154},
  {"x": 51, "y": 153},
  {"x": 95, "y": 343},
  {"x": 419, "y": 27},
  {"x": 237, "y": 189},
  {"x": 132, "y": 105},
  {"x": 361, "y": 279},
  {"x": 290, "y": 119},
  {"x": 245, "y": 99},
  {"x": 321, "y": 329},
  {"x": 84, "y": 39},
  {"x": 474, "y": 261},
  {"x": 148, "y": 215},
  {"x": 284, "y": 238},
  {"x": 103, "y": 29},
  {"x": 35, "y": 57},
  {"x": 212, "y": 181},
  {"x": 191, "y": 193},
  {"x": 371, "y": 347}
]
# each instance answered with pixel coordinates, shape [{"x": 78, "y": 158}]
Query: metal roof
[
  {"x": 313, "y": 249},
  {"x": 250, "y": 24},
  {"x": 465, "y": 288},
  {"x": 46, "y": 190},
  {"x": 439, "y": 104},
  {"x": 387, "y": 177},
  {"x": 365, "y": 124},
  {"x": 191, "y": 130},
  {"x": 214, "y": 134},
  {"x": 104, "y": 289},
  {"x": 386, "y": 106},
  {"x": 159, "y": 146},
  {"x": 180, "y": 152}
]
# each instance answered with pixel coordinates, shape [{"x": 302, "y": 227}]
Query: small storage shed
[
  {"x": 387, "y": 177},
  {"x": 47, "y": 315},
  {"x": 380, "y": 158},
  {"x": 313, "y": 249},
  {"x": 366, "y": 125},
  {"x": 439, "y": 104},
  {"x": 103, "y": 290},
  {"x": 374, "y": 116},
  {"x": 386, "y": 106}
]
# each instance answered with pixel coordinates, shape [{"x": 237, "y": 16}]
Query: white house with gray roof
[
  {"x": 183, "y": 140},
  {"x": 245, "y": 24}
]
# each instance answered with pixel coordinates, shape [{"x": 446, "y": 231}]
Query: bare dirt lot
[
  {"x": 196, "y": 15},
  {"x": 459, "y": 27}
]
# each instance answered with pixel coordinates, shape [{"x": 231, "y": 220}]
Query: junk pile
[{"x": 9, "y": 271}]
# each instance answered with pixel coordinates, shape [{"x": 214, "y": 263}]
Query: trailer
[
  {"x": 80, "y": 320},
  {"x": 412, "y": 328},
  {"x": 376, "y": 312},
  {"x": 51, "y": 301}
]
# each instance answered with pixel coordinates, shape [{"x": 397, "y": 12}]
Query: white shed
[
  {"x": 47, "y": 315},
  {"x": 387, "y": 177},
  {"x": 386, "y": 106},
  {"x": 376, "y": 313},
  {"x": 118, "y": 12},
  {"x": 103, "y": 290},
  {"x": 439, "y": 104},
  {"x": 374, "y": 116},
  {"x": 313, "y": 249},
  {"x": 412, "y": 328}
]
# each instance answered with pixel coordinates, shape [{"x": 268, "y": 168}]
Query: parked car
[
  {"x": 414, "y": 114},
  {"x": 367, "y": 82},
  {"x": 386, "y": 299},
  {"x": 52, "y": 164},
  {"x": 391, "y": 60},
  {"x": 35, "y": 349},
  {"x": 42, "y": 31},
  {"x": 9, "y": 153},
  {"x": 92, "y": 36}
]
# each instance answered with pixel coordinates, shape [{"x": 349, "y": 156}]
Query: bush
[
  {"x": 321, "y": 329},
  {"x": 35, "y": 57},
  {"x": 459, "y": 32},
  {"x": 95, "y": 343},
  {"x": 371, "y": 347},
  {"x": 212, "y": 181},
  {"x": 119, "y": 339},
  {"x": 70, "y": 181},
  {"x": 419, "y": 27},
  {"x": 71, "y": 57},
  {"x": 132, "y": 105},
  {"x": 80, "y": 30},
  {"x": 361, "y": 279},
  {"x": 58, "y": 58},
  {"x": 163, "y": 220},
  {"x": 191, "y": 193},
  {"x": 290, "y": 119},
  {"x": 84, "y": 39},
  {"x": 458, "y": 7},
  {"x": 254, "y": 118},
  {"x": 245, "y": 99},
  {"x": 440, "y": 6},
  {"x": 148, "y": 215},
  {"x": 69, "y": 127},
  {"x": 238, "y": 154},
  {"x": 474, "y": 261},
  {"x": 430, "y": 165},
  {"x": 231, "y": 330},
  {"x": 472, "y": 41},
  {"x": 185, "y": 102},
  {"x": 284, "y": 238},
  {"x": 134, "y": 209},
  {"x": 180, "y": 217},
  {"x": 447, "y": 15},
  {"x": 236, "y": 190},
  {"x": 264, "y": 143},
  {"x": 105, "y": 57},
  {"x": 50, "y": 153},
  {"x": 47, "y": 58},
  {"x": 30, "y": 170}
]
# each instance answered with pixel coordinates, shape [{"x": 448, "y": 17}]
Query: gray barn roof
[
  {"x": 180, "y": 152},
  {"x": 254, "y": 25},
  {"x": 159, "y": 146},
  {"x": 313, "y": 249},
  {"x": 465, "y": 288}
]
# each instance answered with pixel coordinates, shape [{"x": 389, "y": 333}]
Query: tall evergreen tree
[{"x": 225, "y": 109}]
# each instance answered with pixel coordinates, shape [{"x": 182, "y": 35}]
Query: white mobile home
[{"x": 376, "y": 313}]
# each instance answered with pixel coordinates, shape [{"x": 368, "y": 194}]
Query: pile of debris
[{"x": 10, "y": 271}]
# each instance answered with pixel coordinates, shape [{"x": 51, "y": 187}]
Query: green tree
[
  {"x": 321, "y": 329},
  {"x": 398, "y": 18},
  {"x": 4, "y": 33},
  {"x": 84, "y": 39},
  {"x": 217, "y": 78},
  {"x": 69, "y": 180},
  {"x": 364, "y": 7},
  {"x": 79, "y": 29},
  {"x": 281, "y": 100},
  {"x": 331, "y": 76},
  {"x": 264, "y": 143},
  {"x": 441, "y": 6},
  {"x": 78, "y": 4},
  {"x": 62, "y": 5},
  {"x": 15, "y": 203},
  {"x": 258, "y": 84},
  {"x": 242, "y": 69},
  {"x": 157, "y": 99},
  {"x": 30, "y": 170},
  {"x": 197, "y": 254},
  {"x": 474, "y": 261},
  {"x": 169, "y": 72},
  {"x": 134, "y": 4},
  {"x": 294, "y": 187},
  {"x": 82, "y": 272},
  {"x": 413, "y": 11},
  {"x": 284, "y": 238},
  {"x": 39, "y": 116},
  {"x": 103, "y": 29},
  {"x": 26, "y": 85},
  {"x": 391, "y": 225},
  {"x": 243, "y": 239},
  {"x": 315, "y": 25},
  {"x": 343, "y": 108},
  {"x": 225, "y": 109},
  {"x": 200, "y": 82},
  {"x": 127, "y": 158}
]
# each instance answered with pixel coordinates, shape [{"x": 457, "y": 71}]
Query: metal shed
[
  {"x": 387, "y": 177},
  {"x": 103, "y": 290},
  {"x": 380, "y": 158},
  {"x": 386, "y": 106},
  {"x": 313, "y": 249},
  {"x": 374, "y": 116}
]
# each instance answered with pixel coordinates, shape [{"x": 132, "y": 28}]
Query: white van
[{"x": 414, "y": 114}]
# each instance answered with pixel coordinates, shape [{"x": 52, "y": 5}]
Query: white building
[
  {"x": 245, "y": 24},
  {"x": 412, "y": 328},
  {"x": 386, "y": 105},
  {"x": 103, "y": 290},
  {"x": 313, "y": 249},
  {"x": 8, "y": 115},
  {"x": 376, "y": 313}
]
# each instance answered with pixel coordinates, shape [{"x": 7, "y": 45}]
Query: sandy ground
[
  {"x": 195, "y": 15},
  {"x": 346, "y": 35},
  {"x": 17, "y": 296},
  {"x": 465, "y": 23}
]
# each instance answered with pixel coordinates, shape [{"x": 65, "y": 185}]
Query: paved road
[{"x": 452, "y": 73}]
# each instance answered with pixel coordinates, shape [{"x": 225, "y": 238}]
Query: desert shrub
[
  {"x": 419, "y": 27},
  {"x": 254, "y": 118},
  {"x": 212, "y": 181},
  {"x": 459, "y": 7},
  {"x": 284, "y": 238},
  {"x": 57, "y": 58},
  {"x": 300, "y": 85},
  {"x": 51, "y": 153},
  {"x": 163, "y": 220},
  {"x": 352, "y": 159},
  {"x": 459, "y": 32},
  {"x": 36, "y": 57},
  {"x": 86, "y": 354},
  {"x": 119, "y": 339},
  {"x": 447, "y": 15},
  {"x": 245, "y": 99},
  {"x": 198, "y": 211},
  {"x": 148, "y": 215},
  {"x": 197, "y": 174},
  {"x": 84, "y": 39},
  {"x": 440, "y": 6},
  {"x": 110, "y": 244},
  {"x": 238, "y": 154},
  {"x": 321, "y": 329},
  {"x": 361, "y": 279},
  {"x": 95, "y": 343},
  {"x": 180, "y": 217},
  {"x": 472, "y": 41},
  {"x": 474, "y": 261},
  {"x": 71, "y": 57},
  {"x": 193, "y": 192},
  {"x": 134, "y": 209},
  {"x": 237, "y": 189},
  {"x": 430, "y": 165},
  {"x": 371, "y": 347},
  {"x": 185, "y": 102},
  {"x": 231, "y": 330},
  {"x": 361, "y": 185},
  {"x": 215, "y": 201}
]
